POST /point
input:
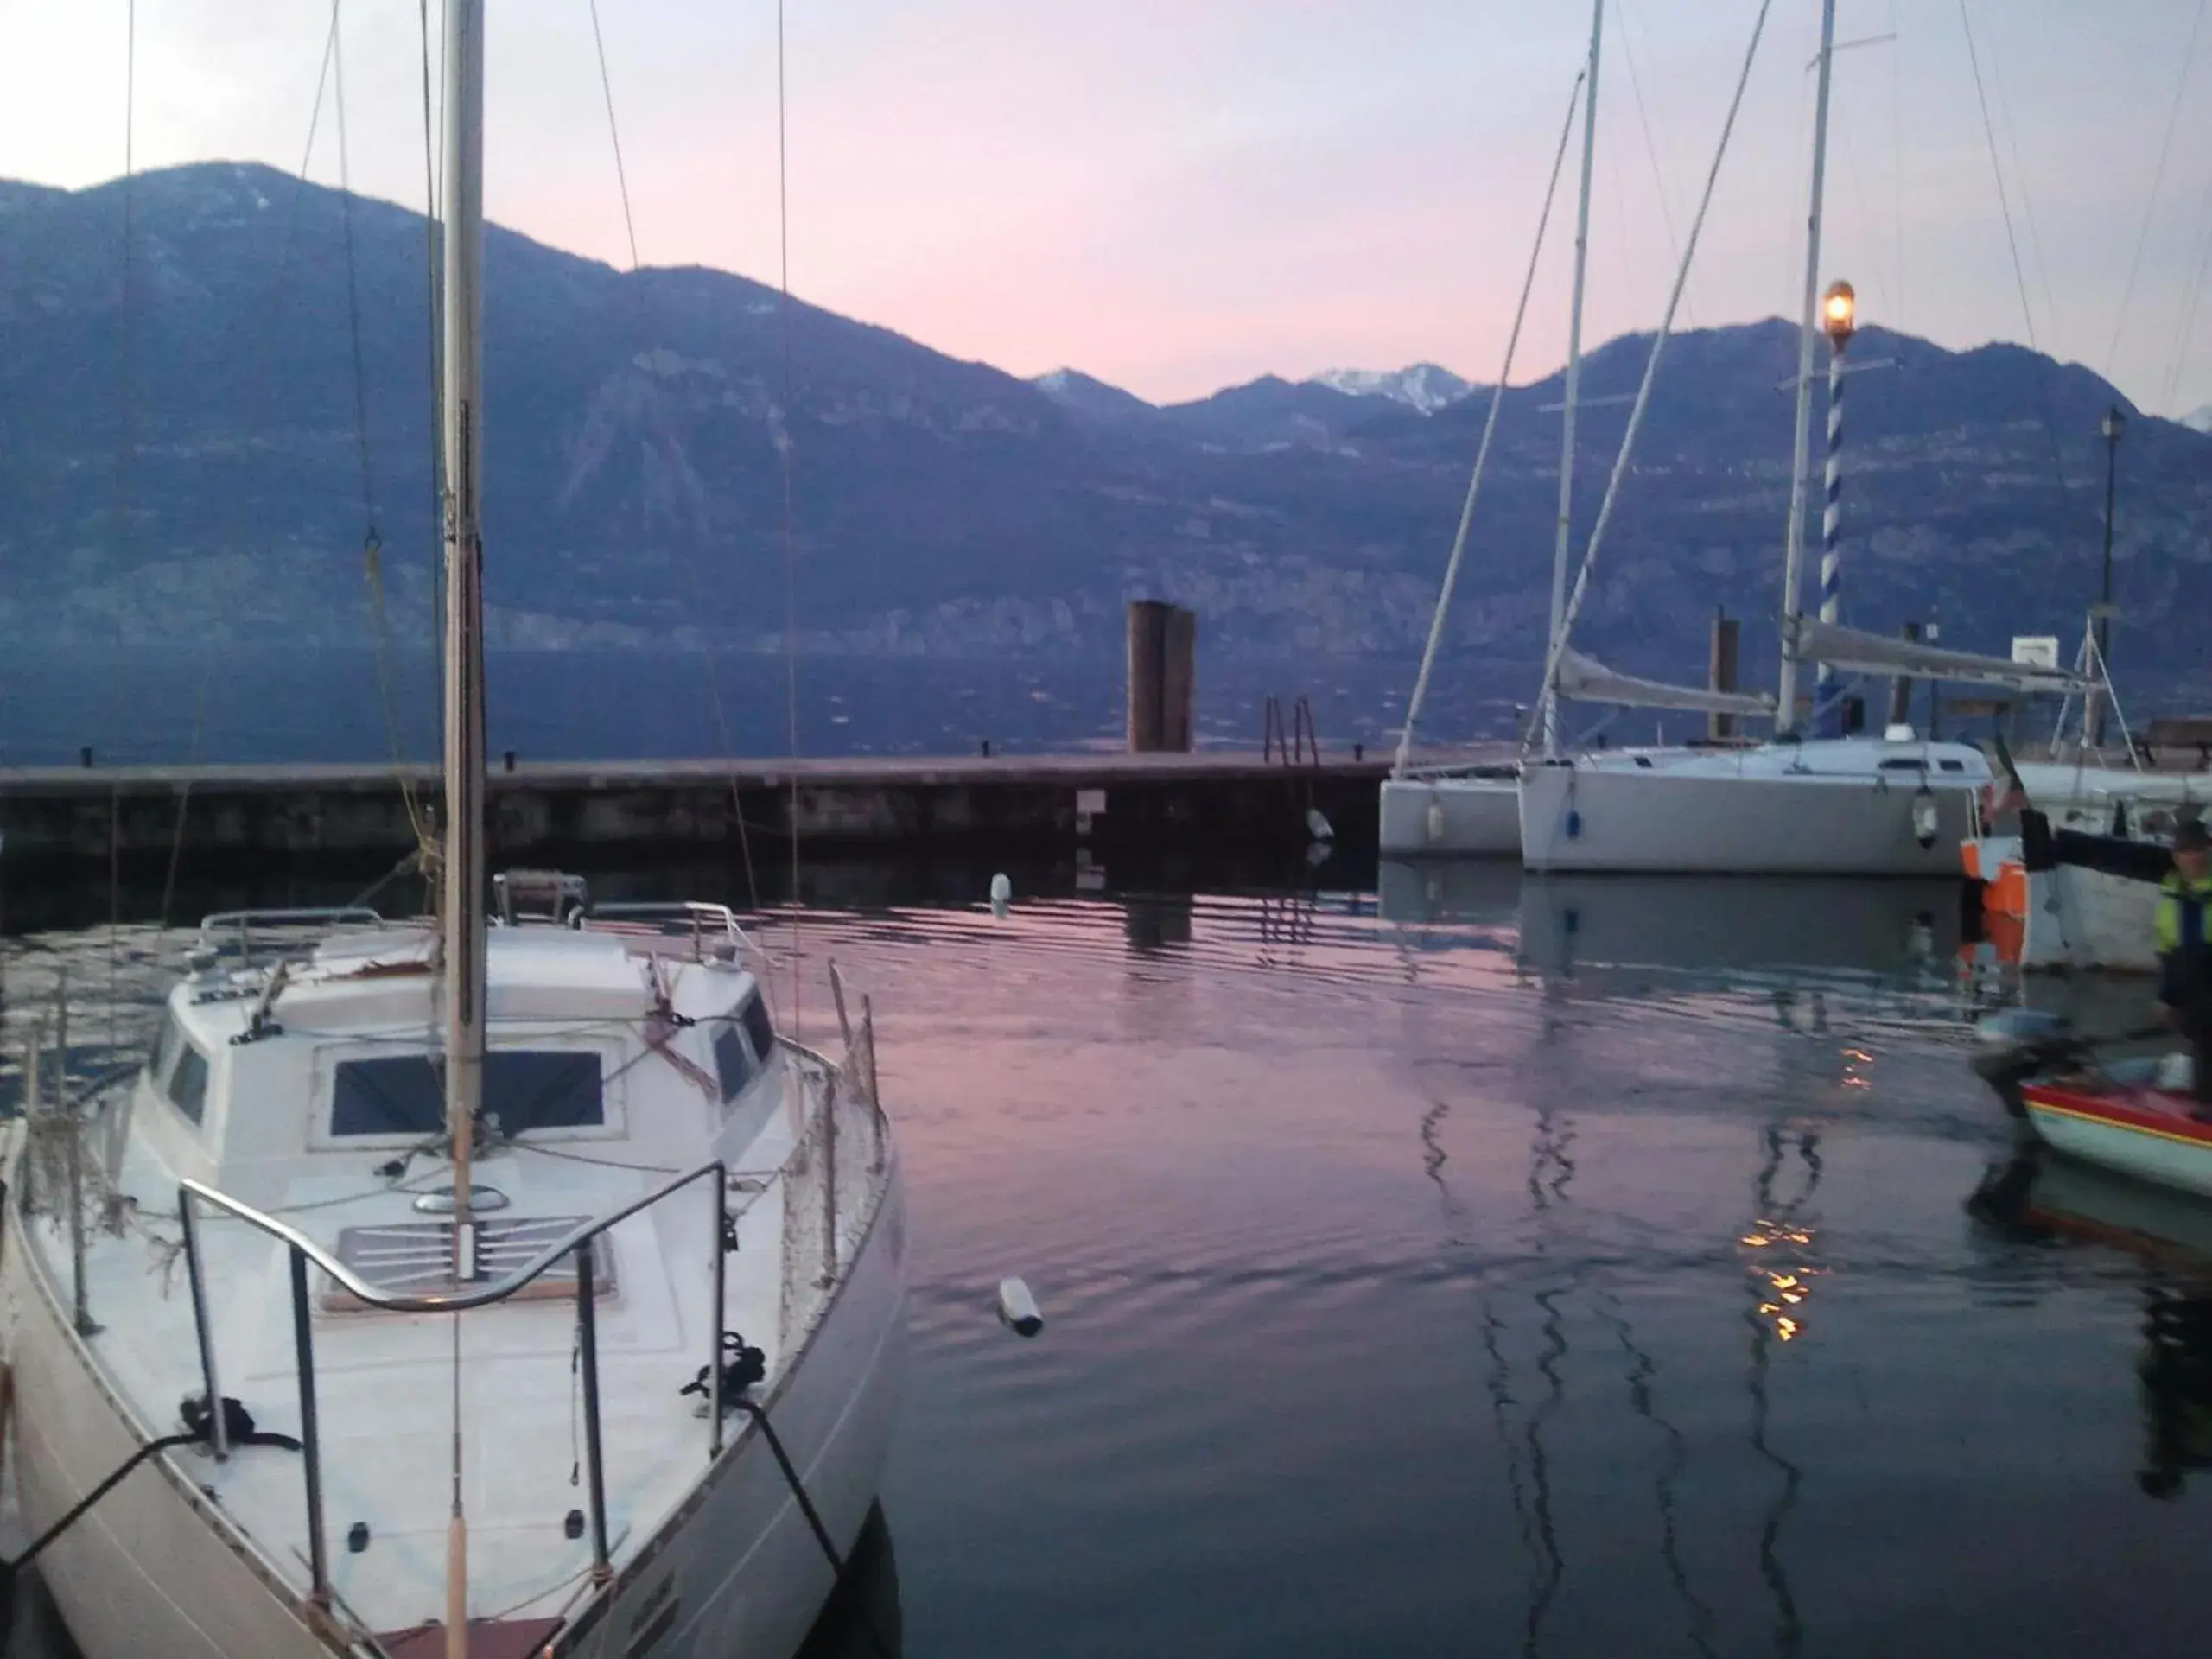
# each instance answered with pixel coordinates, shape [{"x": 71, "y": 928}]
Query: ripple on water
[{"x": 1560, "y": 1271}]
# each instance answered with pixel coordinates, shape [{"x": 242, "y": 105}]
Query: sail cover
[
  {"x": 1875, "y": 653},
  {"x": 1587, "y": 680}
]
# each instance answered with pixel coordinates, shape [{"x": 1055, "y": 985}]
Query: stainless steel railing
[
  {"x": 577, "y": 1242},
  {"x": 832, "y": 1182}
]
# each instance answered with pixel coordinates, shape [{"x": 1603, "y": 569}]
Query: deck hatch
[{"x": 416, "y": 1258}]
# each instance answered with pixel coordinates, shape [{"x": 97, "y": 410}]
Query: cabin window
[
  {"x": 187, "y": 1088},
  {"x": 733, "y": 1062},
  {"x": 166, "y": 1043},
  {"x": 754, "y": 1014},
  {"x": 1904, "y": 765},
  {"x": 1952, "y": 765},
  {"x": 523, "y": 1089}
]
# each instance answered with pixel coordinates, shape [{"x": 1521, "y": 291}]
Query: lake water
[{"x": 1451, "y": 1265}]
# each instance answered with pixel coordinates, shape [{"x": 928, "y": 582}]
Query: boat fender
[
  {"x": 1018, "y": 1308},
  {"x": 1001, "y": 894},
  {"x": 1926, "y": 819},
  {"x": 1435, "y": 820},
  {"x": 742, "y": 1366},
  {"x": 1573, "y": 824},
  {"x": 1318, "y": 825}
]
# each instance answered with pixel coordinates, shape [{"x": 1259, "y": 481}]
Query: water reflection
[
  {"x": 1643, "y": 1377},
  {"x": 1419, "y": 1289},
  {"x": 862, "y": 1620},
  {"x": 1779, "y": 1249},
  {"x": 2038, "y": 1196}
]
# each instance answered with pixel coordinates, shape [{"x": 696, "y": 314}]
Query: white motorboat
[
  {"x": 501, "y": 1290},
  {"x": 1841, "y": 806}
]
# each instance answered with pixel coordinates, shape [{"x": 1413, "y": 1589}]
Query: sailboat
[
  {"x": 1475, "y": 810},
  {"x": 1893, "y": 804},
  {"x": 1480, "y": 810},
  {"x": 506, "y": 1285}
]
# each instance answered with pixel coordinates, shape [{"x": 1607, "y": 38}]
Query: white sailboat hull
[
  {"x": 1448, "y": 817},
  {"x": 155, "y": 1568},
  {"x": 1716, "y": 814}
]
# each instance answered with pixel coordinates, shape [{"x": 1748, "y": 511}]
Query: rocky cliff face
[{"x": 189, "y": 463}]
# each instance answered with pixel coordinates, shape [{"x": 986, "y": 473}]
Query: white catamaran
[{"x": 504, "y": 1286}]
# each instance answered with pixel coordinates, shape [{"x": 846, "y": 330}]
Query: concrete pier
[{"x": 1114, "y": 804}]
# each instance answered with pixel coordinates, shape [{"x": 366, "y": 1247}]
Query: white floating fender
[
  {"x": 1318, "y": 826},
  {"x": 1926, "y": 819},
  {"x": 1018, "y": 1308},
  {"x": 1001, "y": 894}
]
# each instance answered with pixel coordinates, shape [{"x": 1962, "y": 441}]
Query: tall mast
[
  {"x": 1793, "y": 567},
  {"x": 461, "y": 901},
  {"x": 1559, "y": 544},
  {"x": 462, "y": 889}
]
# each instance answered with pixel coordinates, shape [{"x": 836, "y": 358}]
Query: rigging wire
[
  {"x": 126, "y": 442},
  {"x": 372, "y": 542},
  {"x": 1555, "y": 652},
  {"x": 256, "y": 403},
  {"x": 433, "y": 253},
  {"x": 784, "y": 450},
  {"x": 615, "y": 136},
  {"x": 2019, "y": 273},
  {"x": 1897, "y": 164},
  {"x": 1490, "y": 430},
  {"x": 2038, "y": 258},
  {"x": 1650, "y": 149},
  {"x": 2157, "y": 180},
  {"x": 2185, "y": 328},
  {"x": 699, "y": 600}
]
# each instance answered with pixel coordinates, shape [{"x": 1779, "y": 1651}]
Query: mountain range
[{"x": 198, "y": 444}]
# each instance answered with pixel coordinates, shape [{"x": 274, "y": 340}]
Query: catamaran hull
[
  {"x": 1448, "y": 817},
  {"x": 1575, "y": 818},
  {"x": 155, "y": 1568}
]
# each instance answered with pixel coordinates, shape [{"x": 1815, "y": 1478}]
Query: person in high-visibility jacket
[{"x": 2184, "y": 926}]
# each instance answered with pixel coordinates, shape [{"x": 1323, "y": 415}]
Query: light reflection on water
[{"x": 1470, "y": 1266}]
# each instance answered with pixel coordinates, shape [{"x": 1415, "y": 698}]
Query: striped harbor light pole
[{"x": 1839, "y": 308}]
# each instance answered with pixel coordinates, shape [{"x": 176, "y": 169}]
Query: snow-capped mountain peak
[
  {"x": 1423, "y": 386},
  {"x": 2200, "y": 419}
]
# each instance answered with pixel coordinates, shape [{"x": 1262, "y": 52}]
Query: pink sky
[{"x": 1174, "y": 197}]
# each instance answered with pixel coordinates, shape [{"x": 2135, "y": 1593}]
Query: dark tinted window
[
  {"x": 1952, "y": 765},
  {"x": 754, "y": 1013},
  {"x": 404, "y": 1094},
  {"x": 188, "y": 1083},
  {"x": 165, "y": 1047},
  {"x": 1904, "y": 765},
  {"x": 733, "y": 1060}
]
